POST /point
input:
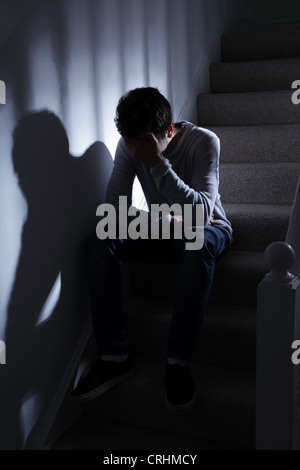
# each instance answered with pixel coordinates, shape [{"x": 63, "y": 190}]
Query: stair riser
[
  {"x": 261, "y": 45},
  {"x": 237, "y": 287},
  {"x": 259, "y": 143},
  {"x": 253, "y": 76},
  {"x": 253, "y": 233},
  {"x": 247, "y": 109},
  {"x": 258, "y": 185}
]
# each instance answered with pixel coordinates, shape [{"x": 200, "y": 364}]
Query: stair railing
[{"x": 278, "y": 343}]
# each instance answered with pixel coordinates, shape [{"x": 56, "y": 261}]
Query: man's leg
[
  {"x": 106, "y": 296},
  {"x": 104, "y": 258},
  {"x": 193, "y": 288}
]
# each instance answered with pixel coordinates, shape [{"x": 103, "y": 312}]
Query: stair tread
[
  {"x": 264, "y": 183},
  {"x": 244, "y": 260},
  {"x": 159, "y": 311},
  {"x": 270, "y": 143},
  {"x": 249, "y": 108},
  {"x": 241, "y": 268},
  {"x": 258, "y": 45},
  {"x": 261, "y": 209},
  {"x": 224, "y": 410},
  {"x": 243, "y": 271},
  {"x": 251, "y": 224},
  {"x": 232, "y": 327},
  {"x": 249, "y": 94},
  {"x": 256, "y": 256},
  {"x": 156, "y": 306},
  {"x": 249, "y": 76},
  {"x": 262, "y": 165},
  {"x": 93, "y": 433},
  {"x": 266, "y": 127}
]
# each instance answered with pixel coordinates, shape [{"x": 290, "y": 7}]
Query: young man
[{"x": 175, "y": 164}]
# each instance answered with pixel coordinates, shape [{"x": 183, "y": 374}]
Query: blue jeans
[{"x": 193, "y": 287}]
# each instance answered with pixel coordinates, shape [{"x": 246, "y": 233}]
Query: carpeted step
[
  {"x": 265, "y": 75},
  {"x": 258, "y": 183},
  {"x": 250, "y": 144},
  {"x": 247, "y": 109},
  {"x": 228, "y": 336},
  {"x": 224, "y": 411},
  {"x": 237, "y": 276},
  {"x": 95, "y": 433},
  {"x": 260, "y": 45},
  {"x": 255, "y": 226}
]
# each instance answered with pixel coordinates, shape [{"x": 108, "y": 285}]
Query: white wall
[{"x": 75, "y": 58}]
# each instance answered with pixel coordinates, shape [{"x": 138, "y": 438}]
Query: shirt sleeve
[
  {"x": 122, "y": 177},
  {"x": 203, "y": 160},
  {"x": 120, "y": 184}
]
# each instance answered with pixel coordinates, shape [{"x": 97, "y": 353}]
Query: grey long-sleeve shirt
[{"x": 188, "y": 175}]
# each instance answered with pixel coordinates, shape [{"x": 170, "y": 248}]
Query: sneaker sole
[
  {"x": 180, "y": 408},
  {"x": 97, "y": 392}
]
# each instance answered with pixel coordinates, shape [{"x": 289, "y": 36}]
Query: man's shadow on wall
[{"x": 49, "y": 301}]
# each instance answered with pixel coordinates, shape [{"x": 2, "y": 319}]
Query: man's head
[{"x": 143, "y": 110}]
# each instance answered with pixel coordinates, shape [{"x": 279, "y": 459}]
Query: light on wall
[{"x": 51, "y": 302}]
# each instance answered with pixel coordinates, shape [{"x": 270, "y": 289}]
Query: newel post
[{"x": 276, "y": 376}]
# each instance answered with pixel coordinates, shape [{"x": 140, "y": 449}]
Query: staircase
[{"x": 250, "y": 109}]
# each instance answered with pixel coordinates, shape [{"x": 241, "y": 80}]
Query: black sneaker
[
  {"x": 181, "y": 391},
  {"x": 102, "y": 376}
]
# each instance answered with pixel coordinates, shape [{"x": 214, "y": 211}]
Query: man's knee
[
  {"x": 203, "y": 248},
  {"x": 215, "y": 241}
]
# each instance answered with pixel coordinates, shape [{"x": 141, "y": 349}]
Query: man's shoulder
[
  {"x": 197, "y": 134},
  {"x": 201, "y": 131}
]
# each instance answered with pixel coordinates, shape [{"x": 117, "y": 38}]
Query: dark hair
[{"x": 143, "y": 110}]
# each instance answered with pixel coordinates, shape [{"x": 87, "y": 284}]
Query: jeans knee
[
  {"x": 208, "y": 248},
  {"x": 206, "y": 252}
]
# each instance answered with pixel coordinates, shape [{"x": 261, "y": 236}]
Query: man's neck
[{"x": 177, "y": 134}]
